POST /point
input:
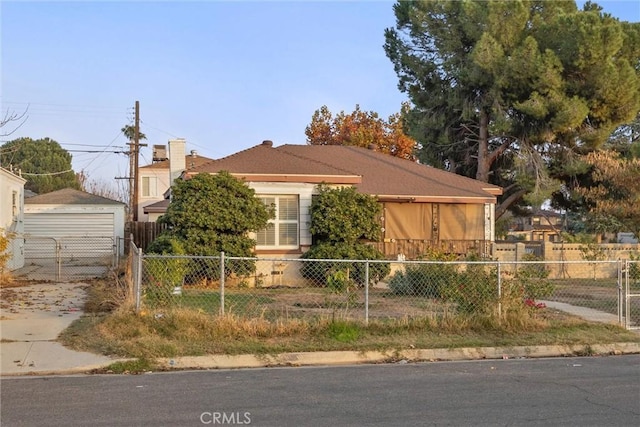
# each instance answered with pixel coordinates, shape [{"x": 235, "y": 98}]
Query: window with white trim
[
  {"x": 14, "y": 205},
  {"x": 282, "y": 232},
  {"x": 149, "y": 186}
]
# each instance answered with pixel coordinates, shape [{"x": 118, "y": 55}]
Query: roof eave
[
  {"x": 434, "y": 199},
  {"x": 307, "y": 179}
]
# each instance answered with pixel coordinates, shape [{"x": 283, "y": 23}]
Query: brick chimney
[{"x": 177, "y": 163}]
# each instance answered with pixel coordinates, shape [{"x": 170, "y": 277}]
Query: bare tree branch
[{"x": 12, "y": 116}]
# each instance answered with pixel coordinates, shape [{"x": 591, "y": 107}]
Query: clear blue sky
[{"x": 222, "y": 75}]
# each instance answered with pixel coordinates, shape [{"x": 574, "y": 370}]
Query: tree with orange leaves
[{"x": 361, "y": 129}]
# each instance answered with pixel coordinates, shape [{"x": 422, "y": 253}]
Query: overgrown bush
[
  {"x": 166, "y": 274},
  {"x": 474, "y": 290},
  {"x": 533, "y": 279},
  {"x": 426, "y": 279},
  {"x": 319, "y": 271},
  {"x": 341, "y": 221},
  {"x": 210, "y": 214}
]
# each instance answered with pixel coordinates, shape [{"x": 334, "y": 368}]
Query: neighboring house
[
  {"x": 540, "y": 225},
  {"x": 78, "y": 222},
  {"x": 422, "y": 206},
  {"x": 155, "y": 179},
  {"x": 12, "y": 215}
]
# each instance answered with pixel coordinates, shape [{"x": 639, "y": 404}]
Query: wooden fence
[{"x": 143, "y": 233}]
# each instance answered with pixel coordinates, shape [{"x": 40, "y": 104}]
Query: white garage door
[{"x": 80, "y": 235}]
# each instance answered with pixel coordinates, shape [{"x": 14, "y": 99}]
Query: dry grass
[
  {"x": 183, "y": 332},
  {"x": 112, "y": 327}
]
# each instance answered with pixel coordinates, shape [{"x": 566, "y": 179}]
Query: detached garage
[{"x": 78, "y": 224}]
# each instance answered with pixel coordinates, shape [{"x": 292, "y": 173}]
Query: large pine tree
[
  {"x": 501, "y": 88},
  {"x": 43, "y": 163}
]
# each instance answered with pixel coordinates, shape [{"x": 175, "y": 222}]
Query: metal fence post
[
  {"x": 58, "y": 258},
  {"x": 222, "y": 283},
  {"x": 138, "y": 253},
  {"x": 116, "y": 258},
  {"x": 499, "y": 269},
  {"x": 366, "y": 293},
  {"x": 627, "y": 297},
  {"x": 621, "y": 272}
]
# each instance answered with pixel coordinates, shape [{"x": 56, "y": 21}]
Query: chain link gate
[{"x": 631, "y": 276}]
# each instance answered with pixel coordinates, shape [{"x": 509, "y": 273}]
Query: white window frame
[
  {"x": 151, "y": 187},
  {"x": 14, "y": 206},
  {"x": 275, "y": 223}
]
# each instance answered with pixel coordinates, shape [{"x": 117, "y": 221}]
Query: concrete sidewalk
[
  {"x": 31, "y": 319},
  {"x": 585, "y": 313}
]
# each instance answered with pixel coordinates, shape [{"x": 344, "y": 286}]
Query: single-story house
[
  {"x": 422, "y": 206},
  {"x": 12, "y": 215},
  {"x": 81, "y": 223}
]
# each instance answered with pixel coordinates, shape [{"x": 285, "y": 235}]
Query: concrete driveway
[{"x": 31, "y": 318}]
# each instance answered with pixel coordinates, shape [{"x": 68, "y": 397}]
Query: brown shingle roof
[
  {"x": 385, "y": 175},
  {"x": 263, "y": 160},
  {"x": 69, "y": 196},
  {"x": 377, "y": 174},
  {"x": 156, "y": 207}
]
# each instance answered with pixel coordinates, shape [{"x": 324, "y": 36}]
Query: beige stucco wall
[
  {"x": 12, "y": 224},
  {"x": 569, "y": 260}
]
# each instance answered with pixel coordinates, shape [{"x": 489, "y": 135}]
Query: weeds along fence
[{"x": 278, "y": 289}]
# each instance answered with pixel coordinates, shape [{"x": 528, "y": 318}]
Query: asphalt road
[{"x": 587, "y": 391}]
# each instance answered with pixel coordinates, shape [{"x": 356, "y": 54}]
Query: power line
[
  {"x": 96, "y": 107},
  {"x": 97, "y": 151},
  {"x": 108, "y": 145},
  {"x": 159, "y": 130},
  {"x": 47, "y": 174},
  {"x": 88, "y": 145}
]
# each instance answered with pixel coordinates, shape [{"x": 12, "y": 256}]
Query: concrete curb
[
  {"x": 410, "y": 355},
  {"x": 334, "y": 358}
]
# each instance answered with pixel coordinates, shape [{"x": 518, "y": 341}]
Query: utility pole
[{"x": 136, "y": 156}]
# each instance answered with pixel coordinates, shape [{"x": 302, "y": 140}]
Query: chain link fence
[
  {"x": 67, "y": 258},
  {"x": 278, "y": 289},
  {"x": 631, "y": 309}
]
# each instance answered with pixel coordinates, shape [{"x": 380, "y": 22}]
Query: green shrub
[
  {"x": 164, "y": 273},
  {"x": 426, "y": 279},
  {"x": 319, "y": 271},
  {"x": 533, "y": 279},
  {"x": 399, "y": 284},
  {"x": 474, "y": 290}
]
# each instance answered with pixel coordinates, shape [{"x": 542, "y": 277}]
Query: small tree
[
  {"x": 594, "y": 253},
  {"x": 341, "y": 220},
  {"x": 214, "y": 213}
]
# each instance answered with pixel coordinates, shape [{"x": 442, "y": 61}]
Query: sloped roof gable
[
  {"x": 263, "y": 160},
  {"x": 69, "y": 196},
  {"x": 376, "y": 173}
]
